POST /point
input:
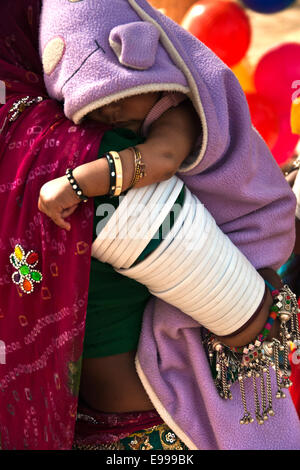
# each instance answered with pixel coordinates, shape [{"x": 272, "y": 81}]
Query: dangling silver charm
[{"x": 247, "y": 418}]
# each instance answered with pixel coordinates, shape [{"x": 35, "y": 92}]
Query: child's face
[{"x": 128, "y": 112}]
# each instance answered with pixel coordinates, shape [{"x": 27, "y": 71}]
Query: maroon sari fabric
[{"x": 41, "y": 333}]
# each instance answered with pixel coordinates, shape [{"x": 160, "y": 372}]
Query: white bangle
[
  {"x": 147, "y": 223},
  {"x": 219, "y": 260},
  {"x": 108, "y": 234},
  {"x": 161, "y": 270},
  {"x": 235, "y": 318},
  {"x": 123, "y": 215},
  {"x": 207, "y": 251},
  {"x": 156, "y": 259},
  {"x": 223, "y": 302},
  {"x": 191, "y": 280},
  {"x": 129, "y": 225},
  {"x": 217, "y": 294},
  {"x": 198, "y": 270},
  {"x": 217, "y": 277}
]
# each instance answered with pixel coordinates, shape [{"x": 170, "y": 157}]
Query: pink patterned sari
[{"x": 41, "y": 320}]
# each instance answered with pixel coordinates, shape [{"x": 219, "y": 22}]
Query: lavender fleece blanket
[{"x": 95, "y": 53}]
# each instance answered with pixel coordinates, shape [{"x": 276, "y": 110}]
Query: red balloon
[
  {"x": 264, "y": 117},
  {"x": 286, "y": 143},
  {"x": 276, "y": 75},
  {"x": 221, "y": 25}
]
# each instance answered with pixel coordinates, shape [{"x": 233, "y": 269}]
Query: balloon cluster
[{"x": 271, "y": 85}]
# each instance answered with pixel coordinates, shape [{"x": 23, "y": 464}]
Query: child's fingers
[
  {"x": 41, "y": 206},
  {"x": 56, "y": 217},
  {"x": 69, "y": 211},
  {"x": 59, "y": 220}
]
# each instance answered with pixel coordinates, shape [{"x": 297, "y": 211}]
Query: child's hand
[{"x": 58, "y": 201}]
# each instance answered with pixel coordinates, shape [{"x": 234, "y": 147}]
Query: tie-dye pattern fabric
[{"x": 41, "y": 333}]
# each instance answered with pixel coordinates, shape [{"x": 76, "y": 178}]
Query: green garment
[{"x": 115, "y": 303}]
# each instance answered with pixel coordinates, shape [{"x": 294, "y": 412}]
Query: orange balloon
[
  {"x": 295, "y": 117},
  {"x": 244, "y": 73}
]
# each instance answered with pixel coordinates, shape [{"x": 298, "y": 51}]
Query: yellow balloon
[
  {"x": 295, "y": 116},
  {"x": 244, "y": 73}
]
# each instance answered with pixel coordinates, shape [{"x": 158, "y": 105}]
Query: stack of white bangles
[{"x": 196, "y": 268}]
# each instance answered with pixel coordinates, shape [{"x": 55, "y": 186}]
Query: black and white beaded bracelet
[
  {"x": 75, "y": 185},
  {"x": 112, "y": 174}
]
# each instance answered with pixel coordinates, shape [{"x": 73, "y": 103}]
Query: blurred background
[{"x": 260, "y": 41}]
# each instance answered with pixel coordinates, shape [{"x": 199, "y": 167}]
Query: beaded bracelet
[
  {"x": 255, "y": 360},
  {"x": 112, "y": 174},
  {"x": 75, "y": 185}
]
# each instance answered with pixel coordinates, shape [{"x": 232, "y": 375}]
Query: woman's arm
[
  {"x": 255, "y": 326},
  {"x": 170, "y": 140},
  {"x": 291, "y": 177}
]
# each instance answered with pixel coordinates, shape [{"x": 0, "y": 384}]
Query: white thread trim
[{"x": 148, "y": 88}]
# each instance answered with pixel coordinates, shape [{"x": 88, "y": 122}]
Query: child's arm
[{"x": 170, "y": 139}]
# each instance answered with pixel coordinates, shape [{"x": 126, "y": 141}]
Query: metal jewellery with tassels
[{"x": 256, "y": 359}]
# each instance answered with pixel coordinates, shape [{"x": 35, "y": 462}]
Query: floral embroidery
[
  {"x": 140, "y": 442},
  {"x": 25, "y": 276},
  {"x": 169, "y": 440},
  {"x": 170, "y": 437}
]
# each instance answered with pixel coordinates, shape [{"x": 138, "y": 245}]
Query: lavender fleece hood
[{"x": 95, "y": 52}]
